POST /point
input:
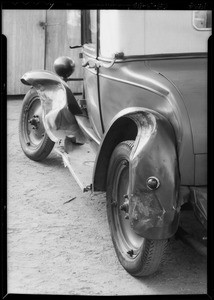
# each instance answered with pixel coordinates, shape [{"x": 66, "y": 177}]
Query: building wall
[{"x": 35, "y": 38}]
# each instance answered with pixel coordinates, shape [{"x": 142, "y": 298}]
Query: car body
[{"x": 145, "y": 80}]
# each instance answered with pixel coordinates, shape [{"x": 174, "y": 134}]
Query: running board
[
  {"x": 80, "y": 161},
  {"x": 84, "y": 124}
]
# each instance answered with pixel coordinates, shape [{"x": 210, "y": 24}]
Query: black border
[
  {"x": 167, "y": 4},
  {"x": 108, "y": 4},
  {"x": 3, "y": 168},
  {"x": 210, "y": 247}
]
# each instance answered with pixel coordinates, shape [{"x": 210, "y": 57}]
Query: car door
[{"x": 89, "y": 62}]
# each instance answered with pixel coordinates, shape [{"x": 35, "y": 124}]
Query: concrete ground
[{"x": 57, "y": 246}]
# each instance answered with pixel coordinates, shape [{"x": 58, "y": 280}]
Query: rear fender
[
  {"x": 154, "y": 211},
  {"x": 58, "y": 104},
  {"x": 153, "y": 214}
]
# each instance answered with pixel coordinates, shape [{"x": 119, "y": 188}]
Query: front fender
[
  {"x": 154, "y": 212},
  {"x": 58, "y": 104},
  {"x": 46, "y": 82}
]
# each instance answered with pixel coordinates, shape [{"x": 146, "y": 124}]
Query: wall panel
[{"x": 25, "y": 45}]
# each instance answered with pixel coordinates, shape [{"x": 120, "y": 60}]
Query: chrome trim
[
  {"x": 156, "y": 57},
  {"x": 109, "y": 60},
  {"x": 163, "y": 94},
  {"x": 156, "y": 179}
]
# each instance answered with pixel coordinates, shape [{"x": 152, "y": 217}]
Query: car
[{"x": 142, "y": 122}]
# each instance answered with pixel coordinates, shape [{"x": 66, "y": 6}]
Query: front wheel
[
  {"x": 33, "y": 138},
  {"x": 139, "y": 256}
]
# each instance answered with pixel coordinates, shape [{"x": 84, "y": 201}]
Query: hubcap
[
  {"x": 128, "y": 241},
  {"x": 34, "y": 122},
  {"x": 34, "y": 126}
]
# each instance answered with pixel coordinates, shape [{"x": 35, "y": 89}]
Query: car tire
[
  {"x": 139, "y": 256},
  {"x": 33, "y": 138}
]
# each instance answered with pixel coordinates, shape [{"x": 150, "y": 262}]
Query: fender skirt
[
  {"x": 154, "y": 178},
  {"x": 59, "y": 105}
]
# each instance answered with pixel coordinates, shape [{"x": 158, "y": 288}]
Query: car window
[
  {"x": 89, "y": 29},
  {"x": 202, "y": 19}
]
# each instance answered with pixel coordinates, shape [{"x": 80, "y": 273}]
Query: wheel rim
[
  {"x": 128, "y": 242},
  {"x": 34, "y": 130}
]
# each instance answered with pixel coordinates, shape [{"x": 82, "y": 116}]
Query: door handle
[
  {"x": 94, "y": 63},
  {"x": 91, "y": 64}
]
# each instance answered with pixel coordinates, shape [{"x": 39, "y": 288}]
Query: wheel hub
[
  {"x": 125, "y": 206},
  {"x": 34, "y": 122},
  {"x": 128, "y": 240}
]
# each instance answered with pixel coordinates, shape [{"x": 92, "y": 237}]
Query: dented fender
[
  {"x": 154, "y": 212},
  {"x": 59, "y": 105}
]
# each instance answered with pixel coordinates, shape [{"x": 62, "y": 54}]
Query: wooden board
[
  {"x": 25, "y": 45},
  {"x": 31, "y": 46}
]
